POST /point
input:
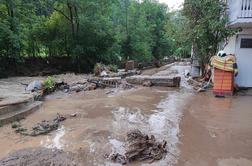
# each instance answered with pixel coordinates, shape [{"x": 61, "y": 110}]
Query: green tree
[
  {"x": 85, "y": 31},
  {"x": 207, "y": 24}
]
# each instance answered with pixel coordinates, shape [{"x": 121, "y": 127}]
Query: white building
[{"x": 240, "y": 16}]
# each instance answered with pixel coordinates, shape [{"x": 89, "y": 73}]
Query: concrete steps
[{"x": 17, "y": 110}]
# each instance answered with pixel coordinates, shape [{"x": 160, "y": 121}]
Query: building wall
[
  {"x": 243, "y": 56},
  {"x": 230, "y": 45},
  {"x": 234, "y": 8}
]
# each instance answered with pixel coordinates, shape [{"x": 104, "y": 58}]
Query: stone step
[
  {"x": 19, "y": 114},
  {"x": 12, "y": 106},
  {"x": 14, "y": 101}
]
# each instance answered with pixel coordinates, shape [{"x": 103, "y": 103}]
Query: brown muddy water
[{"x": 196, "y": 126}]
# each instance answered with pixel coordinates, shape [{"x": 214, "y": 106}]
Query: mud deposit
[
  {"x": 104, "y": 119},
  {"x": 38, "y": 157}
]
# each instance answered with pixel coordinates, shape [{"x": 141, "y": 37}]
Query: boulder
[
  {"x": 34, "y": 86},
  {"x": 147, "y": 83}
]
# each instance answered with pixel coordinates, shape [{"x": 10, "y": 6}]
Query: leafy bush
[
  {"x": 49, "y": 83},
  {"x": 98, "y": 68},
  {"x": 113, "y": 68}
]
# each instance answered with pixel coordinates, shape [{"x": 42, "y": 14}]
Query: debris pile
[
  {"x": 77, "y": 87},
  {"x": 123, "y": 73},
  {"x": 41, "y": 128},
  {"x": 147, "y": 83},
  {"x": 140, "y": 147},
  {"x": 103, "y": 70},
  {"x": 130, "y": 65}
]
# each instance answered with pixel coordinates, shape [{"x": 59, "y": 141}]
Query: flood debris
[
  {"x": 123, "y": 73},
  {"x": 147, "y": 83},
  {"x": 112, "y": 79},
  {"x": 34, "y": 86},
  {"x": 140, "y": 147},
  {"x": 104, "y": 70},
  {"x": 44, "y": 127},
  {"x": 106, "y": 82},
  {"x": 201, "y": 84},
  {"x": 39, "y": 157}
]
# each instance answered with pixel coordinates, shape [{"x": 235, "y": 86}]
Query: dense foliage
[
  {"x": 87, "y": 31},
  {"x": 111, "y": 31}
]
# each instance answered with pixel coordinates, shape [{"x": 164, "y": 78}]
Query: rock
[
  {"x": 104, "y": 73},
  {"x": 147, "y": 83},
  {"x": 38, "y": 95},
  {"x": 187, "y": 73},
  {"x": 34, "y": 86},
  {"x": 118, "y": 158},
  {"x": 90, "y": 86},
  {"x": 77, "y": 88},
  {"x": 61, "y": 86}
]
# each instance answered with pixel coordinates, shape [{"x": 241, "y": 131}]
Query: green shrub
[
  {"x": 113, "y": 68},
  {"x": 98, "y": 68},
  {"x": 49, "y": 83}
]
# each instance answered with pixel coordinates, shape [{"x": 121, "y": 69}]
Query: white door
[{"x": 244, "y": 60}]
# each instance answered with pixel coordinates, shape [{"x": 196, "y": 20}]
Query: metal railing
[{"x": 246, "y": 9}]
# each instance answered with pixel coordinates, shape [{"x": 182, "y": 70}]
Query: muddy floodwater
[{"x": 200, "y": 129}]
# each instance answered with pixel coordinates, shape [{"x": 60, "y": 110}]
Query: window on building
[{"x": 246, "y": 43}]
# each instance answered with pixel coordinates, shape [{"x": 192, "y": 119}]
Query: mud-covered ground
[
  {"x": 199, "y": 128},
  {"x": 217, "y": 131}
]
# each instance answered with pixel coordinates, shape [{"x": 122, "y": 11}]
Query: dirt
[
  {"x": 39, "y": 157},
  {"x": 153, "y": 71},
  {"x": 199, "y": 128}
]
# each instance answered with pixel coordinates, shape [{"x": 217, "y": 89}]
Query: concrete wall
[
  {"x": 234, "y": 8},
  {"x": 230, "y": 45},
  {"x": 240, "y": 13},
  {"x": 243, "y": 56}
]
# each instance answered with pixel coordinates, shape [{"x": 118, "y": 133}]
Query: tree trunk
[
  {"x": 71, "y": 19},
  {"x": 77, "y": 22}
]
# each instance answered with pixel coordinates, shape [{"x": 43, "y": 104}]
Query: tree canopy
[
  {"x": 207, "y": 24},
  {"x": 109, "y": 31},
  {"x": 88, "y": 31}
]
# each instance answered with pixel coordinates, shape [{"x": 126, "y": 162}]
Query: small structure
[{"x": 130, "y": 65}]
